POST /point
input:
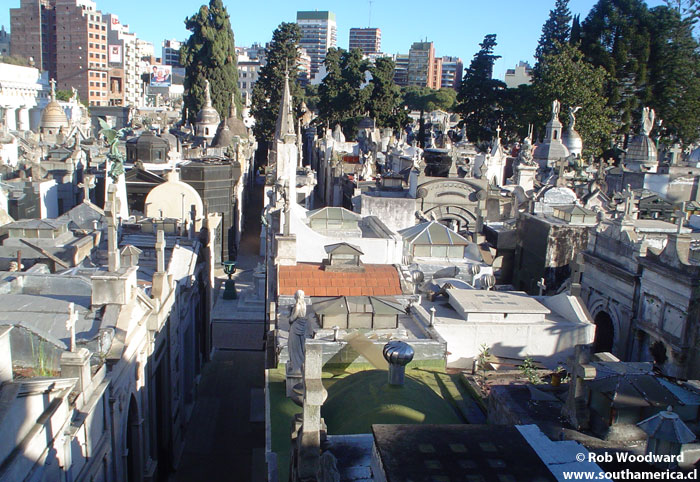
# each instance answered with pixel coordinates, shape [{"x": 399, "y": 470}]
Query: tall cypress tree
[
  {"x": 210, "y": 54},
  {"x": 385, "y": 100},
  {"x": 616, "y": 35},
  {"x": 282, "y": 57},
  {"x": 556, "y": 29},
  {"x": 575, "y": 36},
  {"x": 480, "y": 96}
]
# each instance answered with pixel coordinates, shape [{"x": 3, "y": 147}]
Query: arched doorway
[
  {"x": 133, "y": 443},
  {"x": 604, "y": 332}
]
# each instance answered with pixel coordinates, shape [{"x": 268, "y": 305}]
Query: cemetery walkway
[{"x": 226, "y": 434}]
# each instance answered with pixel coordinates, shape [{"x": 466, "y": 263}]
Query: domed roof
[
  {"x": 356, "y": 402},
  {"x": 236, "y": 125},
  {"x": 573, "y": 142},
  {"x": 148, "y": 139},
  {"x": 223, "y": 137},
  {"x": 694, "y": 157},
  {"x": 207, "y": 114},
  {"x": 552, "y": 151},
  {"x": 642, "y": 150},
  {"x": 53, "y": 115}
]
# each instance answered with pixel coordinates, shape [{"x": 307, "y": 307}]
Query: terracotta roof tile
[{"x": 380, "y": 280}]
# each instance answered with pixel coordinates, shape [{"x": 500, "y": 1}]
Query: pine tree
[
  {"x": 575, "y": 36},
  {"x": 616, "y": 35},
  {"x": 385, "y": 99},
  {"x": 674, "y": 74},
  {"x": 282, "y": 57},
  {"x": 210, "y": 54},
  {"x": 556, "y": 29},
  {"x": 480, "y": 95}
]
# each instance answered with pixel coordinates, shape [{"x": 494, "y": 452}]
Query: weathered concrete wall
[{"x": 396, "y": 212}]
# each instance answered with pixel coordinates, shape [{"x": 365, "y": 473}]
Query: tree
[
  {"x": 556, "y": 29},
  {"x": 342, "y": 98},
  {"x": 282, "y": 57},
  {"x": 674, "y": 74},
  {"x": 385, "y": 98},
  {"x": 480, "y": 95},
  {"x": 687, "y": 9},
  {"x": 575, "y": 36},
  {"x": 616, "y": 35},
  {"x": 569, "y": 78},
  {"x": 426, "y": 99},
  {"x": 210, "y": 54}
]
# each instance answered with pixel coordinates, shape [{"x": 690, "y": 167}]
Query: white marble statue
[{"x": 648, "y": 116}]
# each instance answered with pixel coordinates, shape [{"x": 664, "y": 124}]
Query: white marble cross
[
  {"x": 87, "y": 184},
  {"x": 542, "y": 286},
  {"x": 70, "y": 325}
]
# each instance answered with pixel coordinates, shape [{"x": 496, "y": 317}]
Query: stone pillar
[
  {"x": 286, "y": 250},
  {"x": 23, "y": 118},
  {"x": 77, "y": 365},
  {"x": 10, "y": 120},
  {"x": 576, "y": 407},
  {"x": 5, "y": 355},
  {"x": 309, "y": 441},
  {"x": 413, "y": 183},
  {"x": 525, "y": 176}
]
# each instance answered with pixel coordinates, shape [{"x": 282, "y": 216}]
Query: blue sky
[{"x": 455, "y": 26}]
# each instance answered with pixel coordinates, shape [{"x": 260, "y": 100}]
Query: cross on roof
[{"x": 541, "y": 284}]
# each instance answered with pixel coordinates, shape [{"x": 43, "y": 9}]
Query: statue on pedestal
[{"x": 297, "y": 333}]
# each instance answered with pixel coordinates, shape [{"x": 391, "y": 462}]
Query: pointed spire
[
  {"x": 285, "y": 118},
  {"x": 207, "y": 98}
]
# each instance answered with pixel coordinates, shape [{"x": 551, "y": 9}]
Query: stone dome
[
  {"x": 236, "y": 125},
  {"x": 573, "y": 142},
  {"x": 53, "y": 116},
  {"x": 356, "y": 402},
  {"x": 641, "y": 150},
  {"x": 223, "y": 137},
  {"x": 694, "y": 157},
  {"x": 550, "y": 151},
  {"x": 208, "y": 115}
]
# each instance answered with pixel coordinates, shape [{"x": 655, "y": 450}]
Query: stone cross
[
  {"x": 578, "y": 265},
  {"x": 576, "y": 407},
  {"x": 541, "y": 284},
  {"x": 111, "y": 210},
  {"x": 87, "y": 184},
  {"x": 70, "y": 325},
  {"x": 560, "y": 175},
  {"x": 498, "y": 132},
  {"x": 676, "y": 152}
]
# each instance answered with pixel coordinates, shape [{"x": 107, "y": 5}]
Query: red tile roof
[{"x": 376, "y": 280}]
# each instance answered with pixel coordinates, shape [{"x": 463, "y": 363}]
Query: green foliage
[
  {"x": 520, "y": 110},
  {"x": 426, "y": 99},
  {"x": 282, "y": 57},
  {"x": 210, "y": 54},
  {"x": 480, "y": 95},
  {"x": 616, "y": 35},
  {"x": 63, "y": 95},
  {"x": 310, "y": 96},
  {"x": 529, "y": 370},
  {"x": 688, "y": 9},
  {"x": 567, "y": 77},
  {"x": 556, "y": 29},
  {"x": 674, "y": 74},
  {"x": 384, "y": 103},
  {"x": 483, "y": 359},
  {"x": 342, "y": 98},
  {"x": 14, "y": 60}
]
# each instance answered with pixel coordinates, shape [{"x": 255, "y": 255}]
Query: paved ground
[{"x": 226, "y": 435}]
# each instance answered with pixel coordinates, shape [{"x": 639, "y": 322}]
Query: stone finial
[
  {"x": 207, "y": 93},
  {"x": 70, "y": 326},
  {"x": 160, "y": 251},
  {"x": 111, "y": 211},
  {"x": 53, "y": 89}
]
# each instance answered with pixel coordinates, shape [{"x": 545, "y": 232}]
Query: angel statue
[
  {"x": 112, "y": 138},
  {"x": 572, "y": 116}
]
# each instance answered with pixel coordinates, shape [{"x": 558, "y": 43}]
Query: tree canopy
[
  {"x": 282, "y": 57},
  {"x": 556, "y": 29},
  {"x": 384, "y": 103},
  {"x": 210, "y": 54},
  {"x": 480, "y": 95}
]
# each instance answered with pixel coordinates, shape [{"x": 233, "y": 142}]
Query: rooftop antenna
[{"x": 370, "y": 13}]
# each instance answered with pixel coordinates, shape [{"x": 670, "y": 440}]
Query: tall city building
[
  {"x": 401, "y": 69},
  {"x": 421, "y": 64},
  {"x": 369, "y": 40},
  {"x": 318, "y": 34},
  {"x": 452, "y": 69},
  {"x": 33, "y": 33},
  {"x": 125, "y": 82},
  {"x": 520, "y": 75},
  {"x": 171, "y": 52},
  {"x": 435, "y": 77},
  {"x": 250, "y": 61},
  {"x": 67, "y": 38}
]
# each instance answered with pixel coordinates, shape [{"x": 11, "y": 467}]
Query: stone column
[
  {"x": 309, "y": 443},
  {"x": 23, "y": 118},
  {"x": 5, "y": 355},
  {"x": 10, "y": 118}
]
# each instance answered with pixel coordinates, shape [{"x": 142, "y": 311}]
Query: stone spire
[
  {"x": 284, "y": 129},
  {"x": 207, "y": 96}
]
